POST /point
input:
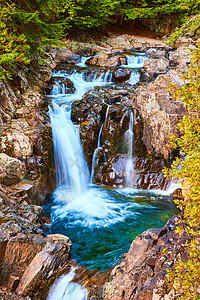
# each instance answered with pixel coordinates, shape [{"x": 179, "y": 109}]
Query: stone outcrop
[
  {"x": 159, "y": 112},
  {"x": 25, "y": 133},
  {"x": 147, "y": 172},
  {"x": 28, "y": 260},
  {"x": 105, "y": 59},
  {"x": 142, "y": 274},
  {"x": 11, "y": 170},
  {"x": 154, "y": 67},
  {"x": 181, "y": 58},
  {"x": 113, "y": 43},
  {"x": 156, "y": 116},
  {"x": 113, "y": 114},
  {"x": 25, "y": 146}
]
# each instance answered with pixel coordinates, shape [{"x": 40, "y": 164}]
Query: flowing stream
[{"x": 101, "y": 222}]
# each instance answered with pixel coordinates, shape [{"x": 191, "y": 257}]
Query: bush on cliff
[{"x": 186, "y": 276}]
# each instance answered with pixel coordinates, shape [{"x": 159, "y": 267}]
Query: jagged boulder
[
  {"x": 121, "y": 75},
  {"x": 155, "y": 53},
  {"x": 11, "y": 169},
  {"x": 181, "y": 58},
  {"x": 29, "y": 260},
  {"x": 8, "y": 100},
  {"x": 154, "y": 66},
  {"x": 105, "y": 59},
  {"x": 54, "y": 254},
  {"x": 64, "y": 55},
  {"x": 159, "y": 112}
]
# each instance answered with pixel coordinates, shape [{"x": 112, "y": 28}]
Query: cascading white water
[
  {"x": 135, "y": 61},
  {"x": 74, "y": 198},
  {"x": 129, "y": 164},
  {"x": 71, "y": 167},
  {"x": 99, "y": 137},
  {"x": 88, "y": 212},
  {"x": 65, "y": 289},
  {"x": 93, "y": 164},
  {"x": 82, "y": 62},
  {"x": 134, "y": 78}
]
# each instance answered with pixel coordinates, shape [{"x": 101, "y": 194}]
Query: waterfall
[
  {"x": 72, "y": 174},
  {"x": 93, "y": 165},
  {"x": 98, "y": 146},
  {"x": 134, "y": 78},
  {"x": 134, "y": 62},
  {"x": 65, "y": 289},
  {"x": 71, "y": 167},
  {"x": 82, "y": 62},
  {"x": 129, "y": 164}
]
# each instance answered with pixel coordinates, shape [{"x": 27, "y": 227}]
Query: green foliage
[
  {"x": 186, "y": 276},
  {"x": 156, "y": 8},
  {"x": 191, "y": 26},
  {"x": 28, "y": 25},
  {"x": 13, "y": 45},
  {"x": 92, "y": 13},
  {"x": 25, "y": 28}
]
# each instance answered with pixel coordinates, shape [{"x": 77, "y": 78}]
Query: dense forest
[{"x": 26, "y": 27}]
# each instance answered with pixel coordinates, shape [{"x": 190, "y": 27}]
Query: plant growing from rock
[{"x": 186, "y": 274}]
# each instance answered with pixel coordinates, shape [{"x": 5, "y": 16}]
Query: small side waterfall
[
  {"x": 129, "y": 164},
  {"x": 65, "y": 289},
  {"x": 98, "y": 145},
  {"x": 93, "y": 165}
]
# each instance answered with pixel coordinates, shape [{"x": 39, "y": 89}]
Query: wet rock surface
[
  {"x": 121, "y": 75},
  {"x": 113, "y": 116},
  {"x": 147, "y": 172},
  {"x": 156, "y": 114}
]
